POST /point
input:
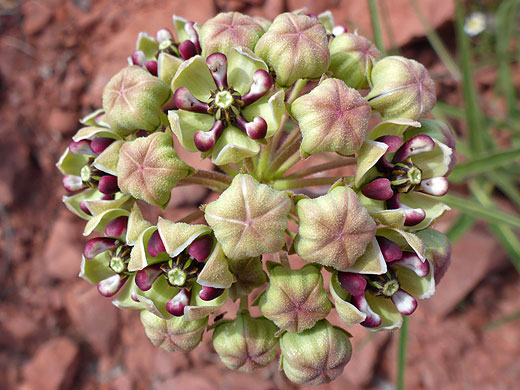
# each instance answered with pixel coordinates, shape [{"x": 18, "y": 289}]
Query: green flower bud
[
  {"x": 246, "y": 343},
  {"x": 175, "y": 334},
  {"x": 132, "y": 100},
  {"x": 296, "y": 46},
  {"x": 332, "y": 118},
  {"x": 438, "y": 251},
  {"x": 149, "y": 168},
  {"x": 401, "y": 88},
  {"x": 295, "y": 299},
  {"x": 315, "y": 356},
  {"x": 334, "y": 229},
  {"x": 228, "y": 30},
  {"x": 352, "y": 58},
  {"x": 249, "y": 218}
]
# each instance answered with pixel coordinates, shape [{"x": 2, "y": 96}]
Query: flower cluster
[{"x": 257, "y": 97}]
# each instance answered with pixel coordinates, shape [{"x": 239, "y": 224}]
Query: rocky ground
[{"x": 57, "y": 332}]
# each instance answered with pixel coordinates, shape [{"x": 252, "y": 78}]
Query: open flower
[
  {"x": 225, "y": 103},
  {"x": 398, "y": 169}
]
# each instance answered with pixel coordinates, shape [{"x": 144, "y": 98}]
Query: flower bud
[
  {"x": 149, "y": 168},
  {"x": 438, "y": 251},
  {"x": 228, "y": 30},
  {"x": 352, "y": 58},
  {"x": 332, "y": 118},
  {"x": 249, "y": 218},
  {"x": 246, "y": 343},
  {"x": 401, "y": 88},
  {"x": 296, "y": 46},
  {"x": 295, "y": 299},
  {"x": 132, "y": 100},
  {"x": 175, "y": 334},
  {"x": 315, "y": 356}
]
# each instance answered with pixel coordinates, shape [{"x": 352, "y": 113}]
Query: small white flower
[{"x": 475, "y": 24}]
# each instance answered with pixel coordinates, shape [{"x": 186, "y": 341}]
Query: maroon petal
[
  {"x": 111, "y": 285},
  {"x": 419, "y": 144},
  {"x": 390, "y": 250},
  {"x": 378, "y": 189},
  {"x": 117, "y": 226},
  {"x": 437, "y": 186},
  {"x": 210, "y": 293},
  {"x": 254, "y": 130},
  {"x": 192, "y": 33},
  {"x": 145, "y": 277},
  {"x": 412, "y": 216},
  {"x": 411, "y": 261},
  {"x": 108, "y": 185},
  {"x": 152, "y": 67},
  {"x": 373, "y": 320},
  {"x": 99, "y": 144},
  {"x": 81, "y": 147},
  {"x": 200, "y": 249},
  {"x": 83, "y": 206},
  {"x": 217, "y": 64},
  {"x": 73, "y": 183},
  {"x": 404, "y": 302},
  {"x": 187, "y": 49},
  {"x": 184, "y": 100},
  {"x": 205, "y": 140},
  {"x": 108, "y": 197},
  {"x": 393, "y": 142},
  {"x": 98, "y": 245},
  {"x": 353, "y": 283},
  {"x": 176, "y": 305},
  {"x": 262, "y": 83},
  {"x": 138, "y": 58},
  {"x": 155, "y": 245},
  {"x": 163, "y": 35}
]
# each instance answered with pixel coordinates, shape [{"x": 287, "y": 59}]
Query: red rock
[
  {"x": 36, "y": 17},
  {"x": 17, "y": 324},
  {"x": 61, "y": 121},
  {"x": 93, "y": 316},
  {"x": 53, "y": 366}
]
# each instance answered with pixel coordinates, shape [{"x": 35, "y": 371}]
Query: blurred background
[{"x": 57, "y": 332}]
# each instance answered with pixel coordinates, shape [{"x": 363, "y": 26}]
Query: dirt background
[{"x": 56, "y": 332}]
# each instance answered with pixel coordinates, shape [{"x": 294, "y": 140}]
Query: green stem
[
  {"x": 244, "y": 304},
  {"x": 296, "y": 90},
  {"x": 401, "y": 357},
  {"x": 213, "y": 180},
  {"x": 322, "y": 168},
  {"x": 250, "y": 166},
  {"x": 283, "y": 156},
  {"x": 229, "y": 170},
  {"x": 264, "y": 158},
  {"x": 289, "y": 184},
  {"x": 192, "y": 217},
  {"x": 376, "y": 27}
]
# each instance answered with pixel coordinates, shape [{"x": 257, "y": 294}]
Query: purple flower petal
[
  {"x": 200, "y": 249},
  {"x": 111, "y": 285},
  {"x": 390, "y": 250},
  {"x": 163, "y": 35},
  {"x": 192, "y": 33},
  {"x": 404, "y": 302},
  {"x": 262, "y": 83},
  {"x": 152, "y": 67},
  {"x": 98, "y": 245},
  {"x": 176, "y": 305},
  {"x": 373, "y": 320},
  {"x": 117, "y": 226},
  {"x": 187, "y": 49},
  {"x": 217, "y": 64},
  {"x": 108, "y": 185},
  {"x": 419, "y": 144},
  {"x": 353, "y": 283},
  {"x": 210, "y": 293},
  {"x": 378, "y": 189},
  {"x": 83, "y": 207},
  {"x": 138, "y": 58},
  {"x": 155, "y": 245},
  {"x": 412, "y": 216},
  {"x": 254, "y": 130},
  {"x": 184, "y": 100},
  {"x": 437, "y": 186},
  {"x": 73, "y": 183},
  {"x": 99, "y": 144},
  {"x": 411, "y": 261},
  {"x": 205, "y": 140},
  {"x": 81, "y": 147},
  {"x": 144, "y": 278}
]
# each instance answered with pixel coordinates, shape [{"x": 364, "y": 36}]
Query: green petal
[
  {"x": 71, "y": 164},
  {"x": 136, "y": 225},
  {"x": 233, "y": 146},
  {"x": 107, "y": 160},
  {"x": 167, "y": 66},
  {"x": 185, "y": 124},
  {"x": 100, "y": 221},
  {"x": 199, "y": 308},
  {"x": 92, "y": 132},
  {"x": 90, "y": 119},
  {"x": 177, "y": 236},
  {"x": 392, "y": 127},
  {"x": 95, "y": 270},
  {"x": 418, "y": 287},
  {"x": 98, "y": 206},
  {"x": 405, "y": 240},
  {"x": 124, "y": 299},
  {"x": 139, "y": 257},
  {"x": 327, "y": 19},
  {"x": 371, "y": 262},
  {"x": 434, "y": 209},
  {"x": 392, "y": 218},
  {"x": 270, "y": 108},
  {"x": 385, "y": 308},
  {"x": 435, "y": 163},
  {"x": 194, "y": 74},
  {"x": 72, "y": 202},
  {"x": 216, "y": 272},
  {"x": 348, "y": 313},
  {"x": 368, "y": 155},
  {"x": 147, "y": 44},
  {"x": 155, "y": 299},
  {"x": 242, "y": 63},
  {"x": 179, "y": 23}
]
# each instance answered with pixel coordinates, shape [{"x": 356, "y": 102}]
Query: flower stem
[
  {"x": 244, "y": 304},
  {"x": 376, "y": 27},
  {"x": 265, "y": 154},
  {"x": 213, "y": 180},
  {"x": 229, "y": 170},
  {"x": 250, "y": 166},
  {"x": 296, "y": 90},
  {"x": 289, "y": 184},
  {"x": 401, "y": 358},
  {"x": 322, "y": 168},
  {"x": 192, "y": 217},
  {"x": 283, "y": 156}
]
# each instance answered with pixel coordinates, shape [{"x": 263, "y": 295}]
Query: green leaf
[{"x": 484, "y": 164}]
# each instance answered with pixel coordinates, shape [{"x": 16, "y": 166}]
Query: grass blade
[
  {"x": 376, "y": 27},
  {"x": 484, "y": 164},
  {"x": 458, "y": 228},
  {"x": 506, "y": 184},
  {"x": 401, "y": 357}
]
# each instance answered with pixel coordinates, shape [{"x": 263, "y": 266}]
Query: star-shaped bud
[
  {"x": 334, "y": 229},
  {"x": 246, "y": 343},
  {"x": 315, "y": 356},
  {"x": 149, "y": 168},
  {"x": 296, "y": 47},
  {"x": 133, "y": 99},
  {"x": 295, "y": 299},
  {"x": 401, "y": 88},
  {"x": 249, "y": 218},
  {"x": 332, "y": 118}
]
